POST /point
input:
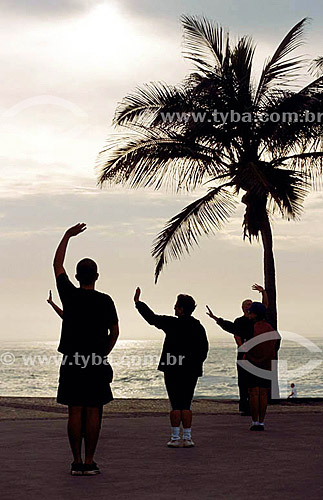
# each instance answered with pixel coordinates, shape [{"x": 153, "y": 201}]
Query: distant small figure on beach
[
  {"x": 242, "y": 329},
  {"x": 261, "y": 355},
  {"x": 184, "y": 351},
  {"x": 89, "y": 333},
  {"x": 293, "y": 394}
]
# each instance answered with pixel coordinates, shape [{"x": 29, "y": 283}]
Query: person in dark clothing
[
  {"x": 184, "y": 351},
  {"x": 89, "y": 333},
  {"x": 59, "y": 311},
  {"x": 242, "y": 329},
  {"x": 261, "y": 355}
]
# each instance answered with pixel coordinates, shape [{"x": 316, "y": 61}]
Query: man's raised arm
[
  {"x": 145, "y": 311},
  {"x": 227, "y": 326},
  {"x": 61, "y": 249}
]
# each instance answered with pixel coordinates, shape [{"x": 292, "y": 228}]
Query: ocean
[{"x": 31, "y": 369}]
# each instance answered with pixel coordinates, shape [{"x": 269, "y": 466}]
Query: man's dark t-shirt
[
  {"x": 87, "y": 317},
  {"x": 185, "y": 336},
  {"x": 242, "y": 327}
]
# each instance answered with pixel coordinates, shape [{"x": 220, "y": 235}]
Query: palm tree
[{"x": 268, "y": 165}]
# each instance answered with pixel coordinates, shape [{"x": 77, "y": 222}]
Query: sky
[{"x": 65, "y": 66}]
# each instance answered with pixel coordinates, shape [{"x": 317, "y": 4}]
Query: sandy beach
[{"x": 228, "y": 462}]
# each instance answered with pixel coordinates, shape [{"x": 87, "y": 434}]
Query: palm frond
[
  {"x": 310, "y": 164},
  {"x": 205, "y": 215},
  {"x": 312, "y": 156},
  {"x": 154, "y": 158},
  {"x": 277, "y": 68},
  {"x": 241, "y": 60},
  {"x": 148, "y": 101},
  {"x": 299, "y": 128},
  {"x": 280, "y": 189},
  {"x": 313, "y": 87},
  {"x": 262, "y": 181},
  {"x": 316, "y": 67},
  {"x": 204, "y": 43},
  {"x": 287, "y": 191}
]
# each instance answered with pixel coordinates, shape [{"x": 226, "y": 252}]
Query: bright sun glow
[
  {"x": 105, "y": 19},
  {"x": 104, "y": 37}
]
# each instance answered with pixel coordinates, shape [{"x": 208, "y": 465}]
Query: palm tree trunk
[
  {"x": 270, "y": 286},
  {"x": 269, "y": 271}
]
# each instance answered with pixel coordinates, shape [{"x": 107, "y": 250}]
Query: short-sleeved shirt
[
  {"x": 88, "y": 315},
  {"x": 264, "y": 353},
  {"x": 185, "y": 347}
]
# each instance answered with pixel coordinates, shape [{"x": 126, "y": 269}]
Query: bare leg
[
  {"x": 74, "y": 430},
  {"x": 263, "y": 399},
  {"x": 92, "y": 431},
  {"x": 175, "y": 418},
  {"x": 187, "y": 419},
  {"x": 254, "y": 403}
]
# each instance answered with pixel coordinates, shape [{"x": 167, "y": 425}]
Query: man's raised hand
[
  {"x": 210, "y": 313},
  {"x": 50, "y": 299},
  {"x": 137, "y": 294},
  {"x": 259, "y": 288},
  {"x": 75, "y": 230},
  {"x": 61, "y": 249}
]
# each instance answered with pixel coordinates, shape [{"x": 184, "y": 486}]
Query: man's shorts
[
  {"x": 180, "y": 389},
  {"x": 84, "y": 386}
]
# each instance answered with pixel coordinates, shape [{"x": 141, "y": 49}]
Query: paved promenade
[{"x": 228, "y": 462}]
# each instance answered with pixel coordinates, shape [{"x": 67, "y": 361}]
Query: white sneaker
[
  {"x": 174, "y": 443},
  {"x": 188, "y": 443}
]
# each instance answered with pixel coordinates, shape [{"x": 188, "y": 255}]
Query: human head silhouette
[
  {"x": 257, "y": 311},
  {"x": 245, "y": 306},
  {"x": 185, "y": 305},
  {"x": 86, "y": 272}
]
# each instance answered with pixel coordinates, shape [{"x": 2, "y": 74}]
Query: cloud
[
  {"x": 231, "y": 13},
  {"x": 21, "y": 177},
  {"x": 116, "y": 209},
  {"x": 41, "y": 8}
]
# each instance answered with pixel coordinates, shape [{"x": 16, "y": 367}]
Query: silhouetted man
[
  {"x": 184, "y": 351},
  {"x": 89, "y": 333}
]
